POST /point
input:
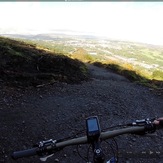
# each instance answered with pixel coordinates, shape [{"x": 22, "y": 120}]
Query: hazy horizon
[{"x": 131, "y": 21}]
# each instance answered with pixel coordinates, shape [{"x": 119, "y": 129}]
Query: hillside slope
[{"x": 22, "y": 63}]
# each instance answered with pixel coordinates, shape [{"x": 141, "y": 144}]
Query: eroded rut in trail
[{"x": 59, "y": 110}]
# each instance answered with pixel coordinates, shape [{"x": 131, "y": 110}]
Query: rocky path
[{"x": 57, "y": 111}]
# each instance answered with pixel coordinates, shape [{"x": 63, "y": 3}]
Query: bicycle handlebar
[
  {"x": 50, "y": 146},
  {"x": 104, "y": 136},
  {"x": 77, "y": 141}
]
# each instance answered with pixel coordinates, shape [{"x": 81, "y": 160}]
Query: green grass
[{"x": 132, "y": 75}]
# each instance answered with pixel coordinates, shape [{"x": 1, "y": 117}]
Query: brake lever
[
  {"x": 149, "y": 127},
  {"x": 141, "y": 122},
  {"x": 46, "y": 149},
  {"x": 45, "y": 157}
]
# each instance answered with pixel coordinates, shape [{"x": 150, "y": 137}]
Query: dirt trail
[
  {"x": 57, "y": 111},
  {"x": 103, "y": 74}
]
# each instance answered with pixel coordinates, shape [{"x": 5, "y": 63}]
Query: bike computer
[{"x": 93, "y": 128}]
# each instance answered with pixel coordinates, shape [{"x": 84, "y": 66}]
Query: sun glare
[{"x": 121, "y": 20}]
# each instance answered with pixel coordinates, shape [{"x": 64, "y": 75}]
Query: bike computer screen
[{"x": 93, "y": 128}]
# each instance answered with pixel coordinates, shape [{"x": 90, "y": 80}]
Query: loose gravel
[{"x": 30, "y": 115}]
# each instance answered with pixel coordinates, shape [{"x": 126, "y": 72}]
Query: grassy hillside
[
  {"x": 24, "y": 63},
  {"x": 133, "y": 75}
]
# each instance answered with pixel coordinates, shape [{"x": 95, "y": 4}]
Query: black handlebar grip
[{"x": 24, "y": 153}]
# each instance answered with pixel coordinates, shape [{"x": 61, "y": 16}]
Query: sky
[{"x": 133, "y": 21}]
